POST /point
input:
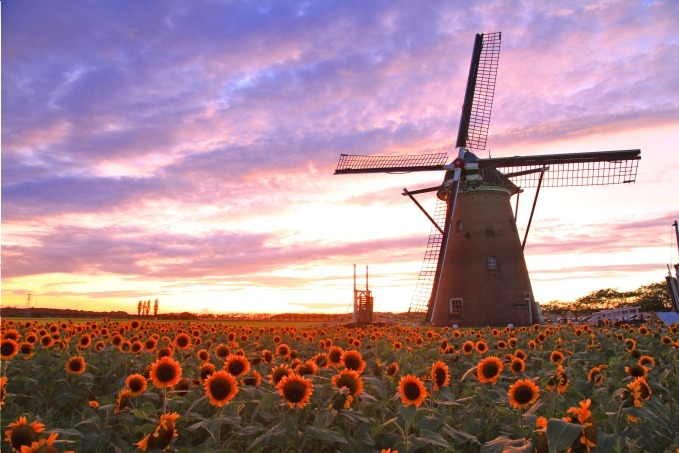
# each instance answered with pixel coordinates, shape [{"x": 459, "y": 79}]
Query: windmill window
[
  {"x": 458, "y": 226},
  {"x": 455, "y": 307},
  {"x": 492, "y": 263}
]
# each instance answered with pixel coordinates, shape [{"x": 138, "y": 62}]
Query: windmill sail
[
  {"x": 597, "y": 168},
  {"x": 352, "y": 163},
  {"x": 478, "y": 99},
  {"x": 425, "y": 282}
]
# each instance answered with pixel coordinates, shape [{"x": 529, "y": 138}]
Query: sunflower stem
[
  {"x": 617, "y": 417},
  {"x": 164, "y": 400},
  {"x": 219, "y": 426},
  {"x": 406, "y": 434}
]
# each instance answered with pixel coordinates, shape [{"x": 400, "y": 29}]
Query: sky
[{"x": 184, "y": 151}]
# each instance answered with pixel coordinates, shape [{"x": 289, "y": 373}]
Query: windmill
[{"x": 474, "y": 271}]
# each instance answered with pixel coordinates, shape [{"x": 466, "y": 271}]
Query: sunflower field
[{"x": 120, "y": 386}]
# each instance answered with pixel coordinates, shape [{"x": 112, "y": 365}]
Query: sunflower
[
  {"x": 278, "y": 373},
  {"x": 335, "y": 356},
  {"x": 182, "y": 341},
  {"x": 639, "y": 390},
  {"x": 392, "y": 369},
  {"x": 12, "y": 334},
  {"x": 42, "y": 445},
  {"x": 353, "y": 360},
  {"x": 84, "y": 341},
  {"x": 541, "y": 444},
  {"x": 22, "y": 434},
  {"x": 481, "y": 347},
  {"x": 205, "y": 370},
  {"x": 150, "y": 344},
  {"x": 122, "y": 400},
  {"x": 165, "y": 372},
  {"x": 236, "y": 365},
  {"x": 523, "y": 393},
  {"x": 283, "y": 350},
  {"x": 295, "y": 389},
  {"x": 489, "y": 369},
  {"x": 308, "y": 367},
  {"x": 349, "y": 379},
  {"x": 645, "y": 361},
  {"x": 596, "y": 375},
  {"x": 117, "y": 340},
  {"x": 636, "y": 370},
  {"x": 26, "y": 349},
  {"x": 203, "y": 355},
  {"x": 556, "y": 357},
  {"x": 630, "y": 344},
  {"x": 468, "y": 347},
  {"x": 221, "y": 387},
  {"x": 3, "y": 383},
  {"x": 517, "y": 365},
  {"x": 321, "y": 360},
  {"x": 8, "y": 349},
  {"x": 136, "y": 347},
  {"x": 76, "y": 365},
  {"x": 440, "y": 375},
  {"x": 162, "y": 435},
  {"x": 165, "y": 351},
  {"x": 46, "y": 341},
  {"x": 520, "y": 354},
  {"x": 267, "y": 356},
  {"x": 254, "y": 380},
  {"x": 136, "y": 383},
  {"x": 182, "y": 387},
  {"x": 558, "y": 381},
  {"x": 583, "y": 416},
  {"x": 412, "y": 390}
]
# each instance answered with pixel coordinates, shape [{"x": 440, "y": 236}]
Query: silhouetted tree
[
  {"x": 155, "y": 308},
  {"x": 603, "y": 299},
  {"x": 653, "y": 297}
]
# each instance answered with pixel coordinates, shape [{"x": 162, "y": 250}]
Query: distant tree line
[
  {"x": 22, "y": 312},
  {"x": 653, "y": 297}
]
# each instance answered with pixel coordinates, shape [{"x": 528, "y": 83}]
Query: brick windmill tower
[{"x": 474, "y": 271}]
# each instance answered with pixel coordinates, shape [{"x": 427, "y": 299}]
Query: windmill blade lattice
[
  {"x": 476, "y": 112},
  {"x": 567, "y": 170},
  {"x": 349, "y": 163},
  {"x": 425, "y": 282}
]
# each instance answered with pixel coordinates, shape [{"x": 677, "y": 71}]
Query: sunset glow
[{"x": 184, "y": 151}]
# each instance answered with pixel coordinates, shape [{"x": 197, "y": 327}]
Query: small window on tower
[
  {"x": 492, "y": 263},
  {"x": 455, "y": 308},
  {"x": 459, "y": 226}
]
